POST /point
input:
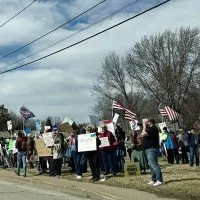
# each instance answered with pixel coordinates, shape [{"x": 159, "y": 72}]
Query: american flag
[
  {"x": 123, "y": 112},
  {"x": 173, "y": 115},
  {"x": 163, "y": 112},
  {"x": 170, "y": 113},
  {"x": 26, "y": 113}
]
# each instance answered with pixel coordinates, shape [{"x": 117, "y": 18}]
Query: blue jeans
[
  {"x": 77, "y": 162},
  {"x": 21, "y": 160},
  {"x": 194, "y": 152},
  {"x": 109, "y": 158},
  {"x": 152, "y": 157}
]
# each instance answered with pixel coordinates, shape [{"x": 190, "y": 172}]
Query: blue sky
[{"x": 61, "y": 85}]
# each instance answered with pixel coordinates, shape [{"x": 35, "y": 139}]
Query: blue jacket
[{"x": 167, "y": 140}]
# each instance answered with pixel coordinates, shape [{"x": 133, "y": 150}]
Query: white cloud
[{"x": 61, "y": 85}]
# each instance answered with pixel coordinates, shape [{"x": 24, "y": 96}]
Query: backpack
[{"x": 24, "y": 144}]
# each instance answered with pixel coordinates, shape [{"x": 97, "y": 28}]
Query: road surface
[{"x": 13, "y": 191}]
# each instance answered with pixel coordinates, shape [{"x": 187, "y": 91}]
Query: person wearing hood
[{"x": 168, "y": 143}]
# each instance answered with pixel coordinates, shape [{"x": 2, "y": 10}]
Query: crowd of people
[{"x": 143, "y": 146}]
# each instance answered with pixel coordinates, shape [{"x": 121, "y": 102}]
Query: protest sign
[
  {"x": 67, "y": 120},
  {"x": 131, "y": 169},
  {"x": 115, "y": 118},
  {"x": 27, "y": 131},
  {"x": 42, "y": 150},
  {"x": 87, "y": 142},
  {"x": 162, "y": 125},
  {"x": 38, "y": 126},
  {"x": 47, "y": 128},
  {"x": 173, "y": 127},
  {"x": 104, "y": 142},
  {"x": 94, "y": 119},
  {"x": 134, "y": 125},
  {"x": 9, "y": 125},
  {"x": 48, "y": 139},
  {"x": 110, "y": 126}
]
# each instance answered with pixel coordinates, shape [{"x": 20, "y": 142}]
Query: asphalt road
[{"x": 13, "y": 191}]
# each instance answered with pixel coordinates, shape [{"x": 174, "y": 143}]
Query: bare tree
[
  {"x": 114, "y": 84},
  {"x": 166, "y": 65}
]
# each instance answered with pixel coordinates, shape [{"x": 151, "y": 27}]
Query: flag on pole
[
  {"x": 26, "y": 113},
  {"x": 123, "y": 112},
  {"x": 173, "y": 115},
  {"x": 170, "y": 113},
  {"x": 163, "y": 112}
]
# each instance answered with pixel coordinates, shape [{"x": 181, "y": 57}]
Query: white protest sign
[
  {"x": 48, "y": 139},
  {"x": 144, "y": 123},
  {"x": 47, "y": 128},
  {"x": 99, "y": 129},
  {"x": 115, "y": 118},
  {"x": 104, "y": 142},
  {"x": 162, "y": 125},
  {"x": 87, "y": 142},
  {"x": 134, "y": 126},
  {"x": 9, "y": 125},
  {"x": 110, "y": 126}
]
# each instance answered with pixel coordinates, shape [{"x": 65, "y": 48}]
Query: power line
[
  {"x": 52, "y": 30},
  {"x": 94, "y": 35},
  {"x": 17, "y": 13},
  {"x": 81, "y": 30}
]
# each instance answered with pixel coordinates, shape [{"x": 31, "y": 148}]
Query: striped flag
[
  {"x": 173, "y": 115},
  {"x": 123, "y": 112},
  {"x": 163, "y": 112},
  {"x": 170, "y": 113}
]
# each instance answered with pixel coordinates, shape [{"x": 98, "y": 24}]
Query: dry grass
[{"x": 180, "y": 181}]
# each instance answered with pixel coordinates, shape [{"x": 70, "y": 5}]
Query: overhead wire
[
  {"x": 69, "y": 36},
  {"x": 18, "y": 13},
  {"x": 44, "y": 35},
  {"x": 87, "y": 38}
]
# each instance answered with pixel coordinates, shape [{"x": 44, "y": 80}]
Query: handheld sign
[
  {"x": 87, "y": 142},
  {"x": 104, "y": 142}
]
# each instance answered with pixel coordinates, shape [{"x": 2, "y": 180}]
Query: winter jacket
[
  {"x": 193, "y": 140},
  {"x": 111, "y": 139},
  {"x": 167, "y": 140}
]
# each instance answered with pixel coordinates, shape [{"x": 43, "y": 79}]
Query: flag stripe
[
  {"x": 123, "y": 112},
  {"x": 117, "y": 105},
  {"x": 171, "y": 113},
  {"x": 163, "y": 112}
]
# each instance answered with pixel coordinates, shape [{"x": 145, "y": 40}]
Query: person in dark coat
[{"x": 93, "y": 156}]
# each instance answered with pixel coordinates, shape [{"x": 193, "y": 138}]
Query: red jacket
[{"x": 111, "y": 139}]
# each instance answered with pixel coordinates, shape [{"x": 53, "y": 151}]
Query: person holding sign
[
  {"x": 93, "y": 156},
  {"x": 57, "y": 154},
  {"x": 108, "y": 151}
]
